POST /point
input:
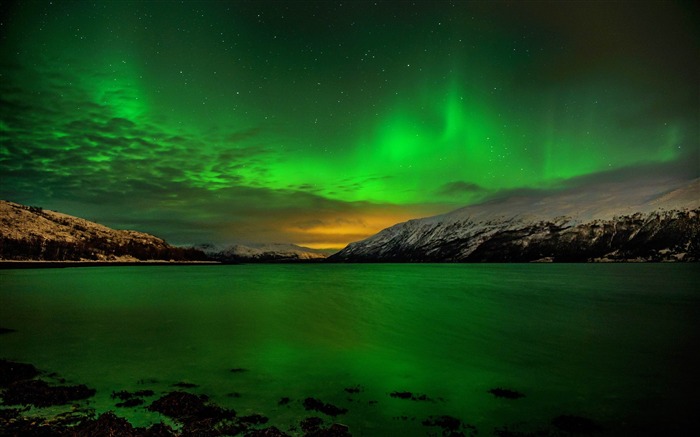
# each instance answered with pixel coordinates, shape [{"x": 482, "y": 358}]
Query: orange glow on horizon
[
  {"x": 322, "y": 246},
  {"x": 339, "y": 233}
]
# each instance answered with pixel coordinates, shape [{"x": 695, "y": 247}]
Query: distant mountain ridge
[
  {"x": 270, "y": 252},
  {"x": 36, "y": 234},
  {"x": 627, "y": 223}
]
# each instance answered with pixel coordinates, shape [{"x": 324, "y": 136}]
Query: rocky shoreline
[
  {"x": 189, "y": 414},
  {"x": 24, "y": 388},
  {"x": 36, "y": 402}
]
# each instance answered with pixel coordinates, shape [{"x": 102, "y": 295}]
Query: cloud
[
  {"x": 237, "y": 137},
  {"x": 460, "y": 187},
  {"x": 684, "y": 168},
  {"x": 61, "y": 134},
  {"x": 601, "y": 194}
]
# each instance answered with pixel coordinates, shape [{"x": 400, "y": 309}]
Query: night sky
[{"x": 320, "y": 123}]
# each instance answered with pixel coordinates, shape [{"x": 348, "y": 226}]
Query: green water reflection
[{"x": 616, "y": 343}]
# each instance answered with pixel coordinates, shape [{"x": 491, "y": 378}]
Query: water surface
[{"x": 614, "y": 343}]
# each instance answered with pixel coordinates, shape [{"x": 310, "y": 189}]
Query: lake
[{"x": 614, "y": 343}]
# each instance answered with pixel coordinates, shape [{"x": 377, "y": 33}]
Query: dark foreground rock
[
  {"x": 40, "y": 394},
  {"x": 130, "y": 403},
  {"x": 310, "y": 424},
  {"x": 266, "y": 432},
  {"x": 183, "y": 384},
  {"x": 108, "y": 424},
  {"x": 254, "y": 419},
  {"x": 506, "y": 393},
  {"x": 131, "y": 399},
  {"x": 189, "y": 408},
  {"x": 80, "y": 425},
  {"x": 451, "y": 426},
  {"x": 409, "y": 395},
  {"x": 11, "y": 371},
  {"x": 355, "y": 389},
  {"x": 312, "y": 427},
  {"x": 317, "y": 405}
]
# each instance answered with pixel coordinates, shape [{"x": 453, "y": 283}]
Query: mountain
[
  {"x": 611, "y": 222},
  {"x": 272, "y": 252},
  {"x": 33, "y": 233}
]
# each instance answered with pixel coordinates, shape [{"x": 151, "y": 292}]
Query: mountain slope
[
  {"x": 32, "y": 233},
  {"x": 623, "y": 224},
  {"x": 273, "y": 252}
]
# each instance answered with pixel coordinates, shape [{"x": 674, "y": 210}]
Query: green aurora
[{"x": 320, "y": 123}]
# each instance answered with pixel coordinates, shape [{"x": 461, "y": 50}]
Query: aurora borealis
[{"x": 319, "y": 123}]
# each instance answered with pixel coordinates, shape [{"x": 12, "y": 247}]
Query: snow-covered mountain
[
  {"x": 610, "y": 222},
  {"x": 33, "y": 233},
  {"x": 270, "y": 252}
]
